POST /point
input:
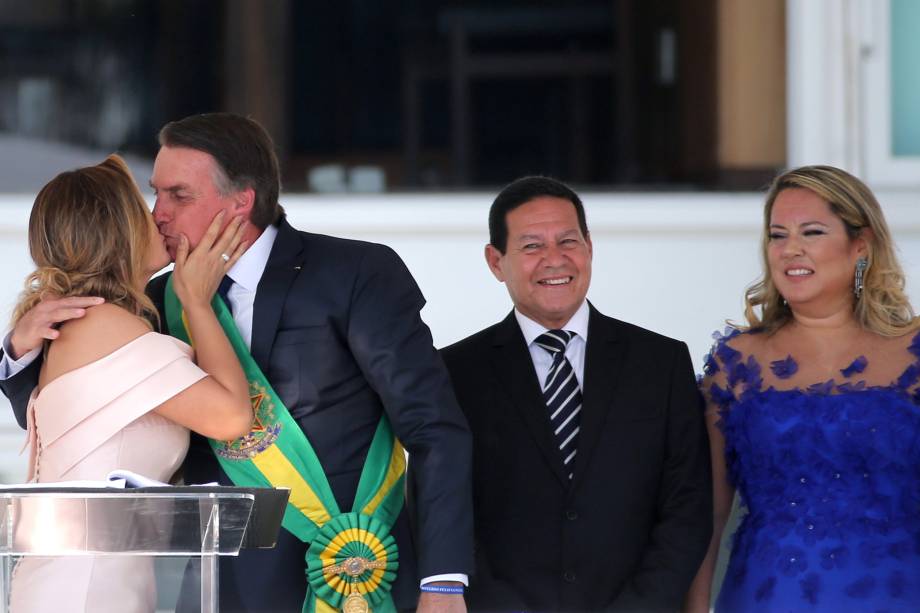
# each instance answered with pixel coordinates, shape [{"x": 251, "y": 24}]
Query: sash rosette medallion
[{"x": 352, "y": 558}]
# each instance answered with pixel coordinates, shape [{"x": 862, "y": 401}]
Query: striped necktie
[{"x": 562, "y": 395}]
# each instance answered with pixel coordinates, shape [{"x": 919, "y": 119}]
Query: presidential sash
[{"x": 352, "y": 557}]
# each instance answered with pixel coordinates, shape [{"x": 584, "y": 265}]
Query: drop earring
[{"x": 861, "y": 265}]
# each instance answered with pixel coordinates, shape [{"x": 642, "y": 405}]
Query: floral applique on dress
[{"x": 830, "y": 475}]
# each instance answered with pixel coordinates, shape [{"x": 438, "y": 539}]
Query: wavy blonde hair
[
  {"x": 883, "y": 306},
  {"x": 89, "y": 234}
]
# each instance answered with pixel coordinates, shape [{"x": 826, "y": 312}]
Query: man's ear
[
  {"x": 243, "y": 202},
  {"x": 494, "y": 260}
]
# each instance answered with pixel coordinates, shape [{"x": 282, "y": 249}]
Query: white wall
[{"x": 677, "y": 263}]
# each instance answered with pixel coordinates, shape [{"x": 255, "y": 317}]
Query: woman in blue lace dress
[{"x": 813, "y": 414}]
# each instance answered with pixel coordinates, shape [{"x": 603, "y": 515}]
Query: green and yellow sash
[{"x": 352, "y": 557}]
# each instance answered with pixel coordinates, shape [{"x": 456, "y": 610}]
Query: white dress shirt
[
  {"x": 246, "y": 274},
  {"x": 10, "y": 367},
  {"x": 574, "y": 351}
]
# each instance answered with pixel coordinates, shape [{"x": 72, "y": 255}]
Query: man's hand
[
  {"x": 41, "y": 321},
  {"x": 432, "y": 602}
]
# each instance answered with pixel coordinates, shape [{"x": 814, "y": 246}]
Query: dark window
[{"x": 431, "y": 94}]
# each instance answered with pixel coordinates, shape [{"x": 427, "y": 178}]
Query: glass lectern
[{"x": 196, "y": 521}]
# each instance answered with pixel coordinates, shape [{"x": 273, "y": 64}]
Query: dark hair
[
  {"x": 245, "y": 156},
  {"x": 521, "y": 191}
]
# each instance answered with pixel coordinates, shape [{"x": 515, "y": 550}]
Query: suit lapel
[
  {"x": 603, "y": 360},
  {"x": 283, "y": 266},
  {"x": 513, "y": 366}
]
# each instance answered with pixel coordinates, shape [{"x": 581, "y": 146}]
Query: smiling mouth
[
  {"x": 557, "y": 281},
  {"x": 799, "y": 272}
]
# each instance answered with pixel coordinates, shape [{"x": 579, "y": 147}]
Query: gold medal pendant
[
  {"x": 354, "y": 567},
  {"x": 355, "y": 603}
]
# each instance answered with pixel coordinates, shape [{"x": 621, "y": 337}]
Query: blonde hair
[
  {"x": 882, "y": 307},
  {"x": 89, "y": 234}
]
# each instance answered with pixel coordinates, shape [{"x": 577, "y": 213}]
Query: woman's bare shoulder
[
  {"x": 749, "y": 341},
  {"x": 741, "y": 340},
  {"x": 101, "y": 331}
]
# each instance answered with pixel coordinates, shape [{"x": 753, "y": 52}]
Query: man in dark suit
[
  {"x": 591, "y": 478},
  {"x": 334, "y": 325}
]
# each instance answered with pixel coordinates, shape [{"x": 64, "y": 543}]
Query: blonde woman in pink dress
[{"x": 112, "y": 392}]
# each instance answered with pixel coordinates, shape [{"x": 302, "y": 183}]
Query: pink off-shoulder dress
[{"x": 83, "y": 425}]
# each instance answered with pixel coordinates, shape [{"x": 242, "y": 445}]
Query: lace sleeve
[
  {"x": 909, "y": 380},
  {"x": 716, "y": 382}
]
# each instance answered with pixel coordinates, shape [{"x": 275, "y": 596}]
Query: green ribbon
[{"x": 348, "y": 552}]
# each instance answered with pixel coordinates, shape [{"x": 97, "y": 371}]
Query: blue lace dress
[{"x": 830, "y": 475}]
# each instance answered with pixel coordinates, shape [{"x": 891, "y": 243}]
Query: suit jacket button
[
  {"x": 569, "y": 576},
  {"x": 571, "y": 514}
]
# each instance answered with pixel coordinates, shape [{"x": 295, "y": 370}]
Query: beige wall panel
[{"x": 751, "y": 83}]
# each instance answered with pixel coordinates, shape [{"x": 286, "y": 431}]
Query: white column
[{"x": 823, "y": 49}]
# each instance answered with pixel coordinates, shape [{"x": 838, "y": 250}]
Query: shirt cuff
[
  {"x": 8, "y": 366},
  {"x": 464, "y": 579}
]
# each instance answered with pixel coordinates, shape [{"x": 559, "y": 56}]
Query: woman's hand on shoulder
[{"x": 198, "y": 271}]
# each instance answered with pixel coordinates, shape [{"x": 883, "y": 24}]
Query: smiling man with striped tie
[{"x": 591, "y": 462}]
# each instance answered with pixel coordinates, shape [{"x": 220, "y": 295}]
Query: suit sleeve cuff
[
  {"x": 464, "y": 579},
  {"x": 8, "y": 366}
]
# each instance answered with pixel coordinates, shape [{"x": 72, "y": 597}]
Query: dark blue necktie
[
  {"x": 562, "y": 395},
  {"x": 223, "y": 291}
]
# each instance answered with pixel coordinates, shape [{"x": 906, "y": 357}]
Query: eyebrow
[
  {"x": 171, "y": 188},
  {"x": 804, "y": 223},
  {"x": 541, "y": 236},
  {"x": 529, "y": 237}
]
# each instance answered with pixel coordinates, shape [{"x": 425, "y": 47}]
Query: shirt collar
[
  {"x": 249, "y": 268},
  {"x": 577, "y": 324}
]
